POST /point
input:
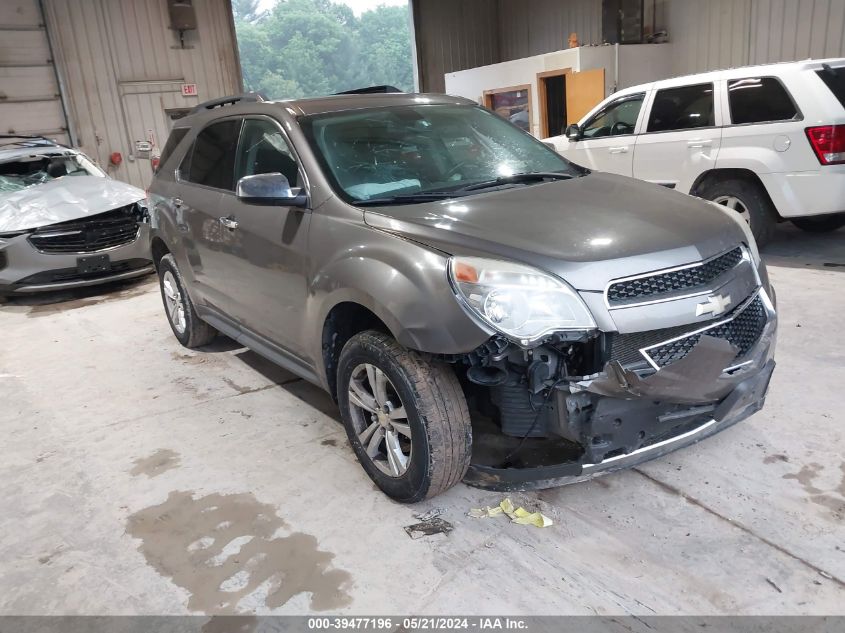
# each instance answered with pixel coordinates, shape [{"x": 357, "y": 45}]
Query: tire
[
  {"x": 435, "y": 411},
  {"x": 751, "y": 195},
  {"x": 820, "y": 224},
  {"x": 190, "y": 330}
]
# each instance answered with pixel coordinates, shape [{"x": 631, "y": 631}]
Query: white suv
[{"x": 768, "y": 141}]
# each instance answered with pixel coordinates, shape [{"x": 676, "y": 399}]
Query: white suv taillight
[{"x": 828, "y": 142}]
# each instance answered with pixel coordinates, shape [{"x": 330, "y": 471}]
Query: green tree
[
  {"x": 385, "y": 47},
  {"x": 317, "y": 47}
]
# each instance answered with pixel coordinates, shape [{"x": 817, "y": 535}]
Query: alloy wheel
[
  {"x": 380, "y": 420},
  {"x": 173, "y": 302},
  {"x": 732, "y": 202}
]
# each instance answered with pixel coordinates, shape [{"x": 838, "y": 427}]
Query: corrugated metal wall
[
  {"x": 453, "y": 35},
  {"x": 124, "y": 66},
  {"x": 725, "y": 33},
  {"x": 459, "y": 34},
  {"x": 30, "y": 101},
  {"x": 534, "y": 27},
  {"x": 707, "y": 34}
]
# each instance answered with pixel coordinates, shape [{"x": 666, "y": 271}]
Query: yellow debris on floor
[{"x": 517, "y": 515}]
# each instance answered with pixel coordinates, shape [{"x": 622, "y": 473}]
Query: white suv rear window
[
  {"x": 759, "y": 100},
  {"x": 834, "y": 78}
]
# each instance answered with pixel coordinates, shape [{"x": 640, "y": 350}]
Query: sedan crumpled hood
[
  {"x": 568, "y": 227},
  {"x": 66, "y": 198}
]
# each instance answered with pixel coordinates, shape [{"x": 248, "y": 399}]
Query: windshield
[
  {"x": 419, "y": 149},
  {"x": 37, "y": 169}
]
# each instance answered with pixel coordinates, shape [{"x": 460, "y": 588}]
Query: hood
[
  {"x": 588, "y": 230},
  {"x": 66, "y": 198}
]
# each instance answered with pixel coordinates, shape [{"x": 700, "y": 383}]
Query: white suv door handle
[
  {"x": 229, "y": 223},
  {"x": 619, "y": 150},
  {"x": 699, "y": 144}
]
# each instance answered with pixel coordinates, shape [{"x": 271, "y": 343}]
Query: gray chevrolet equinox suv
[{"x": 479, "y": 308}]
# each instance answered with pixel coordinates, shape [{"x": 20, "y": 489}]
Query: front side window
[
  {"x": 758, "y": 100},
  {"x": 619, "y": 117},
  {"x": 418, "y": 149},
  {"x": 684, "y": 108},
  {"x": 264, "y": 150},
  {"x": 211, "y": 162}
]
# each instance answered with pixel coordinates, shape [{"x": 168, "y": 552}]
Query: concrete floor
[{"x": 129, "y": 462}]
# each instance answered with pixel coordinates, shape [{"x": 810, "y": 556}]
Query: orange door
[{"x": 584, "y": 91}]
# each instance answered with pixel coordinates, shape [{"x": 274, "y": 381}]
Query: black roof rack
[
  {"x": 383, "y": 89},
  {"x": 247, "y": 97}
]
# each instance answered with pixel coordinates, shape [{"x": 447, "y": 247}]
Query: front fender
[{"x": 406, "y": 285}]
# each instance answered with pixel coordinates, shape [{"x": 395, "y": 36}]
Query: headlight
[{"x": 521, "y": 302}]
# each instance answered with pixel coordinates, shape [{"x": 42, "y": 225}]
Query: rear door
[
  {"x": 607, "y": 137},
  {"x": 681, "y": 137},
  {"x": 206, "y": 173},
  {"x": 267, "y": 250}
]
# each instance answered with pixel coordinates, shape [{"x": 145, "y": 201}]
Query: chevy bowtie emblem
[{"x": 714, "y": 305}]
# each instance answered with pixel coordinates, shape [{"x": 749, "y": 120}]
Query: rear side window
[
  {"x": 834, "y": 78},
  {"x": 682, "y": 108},
  {"x": 176, "y": 136},
  {"x": 759, "y": 100},
  {"x": 212, "y": 160}
]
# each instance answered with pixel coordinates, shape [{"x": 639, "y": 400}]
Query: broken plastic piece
[
  {"x": 428, "y": 528},
  {"x": 691, "y": 380},
  {"x": 517, "y": 515}
]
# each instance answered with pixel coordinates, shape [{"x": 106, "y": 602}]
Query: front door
[
  {"x": 681, "y": 139},
  {"x": 607, "y": 137},
  {"x": 267, "y": 255}
]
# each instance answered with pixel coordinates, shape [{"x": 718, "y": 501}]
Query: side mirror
[
  {"x": 270, "y": 189},
  {"x": 573, "y": 132}
]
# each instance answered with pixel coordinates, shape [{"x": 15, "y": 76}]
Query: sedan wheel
[{"x": 380, "y": 419}]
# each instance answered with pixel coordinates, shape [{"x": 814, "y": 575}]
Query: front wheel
[
  {"x": 406, "y": 417},
  {"x": 820, "y": 224}
]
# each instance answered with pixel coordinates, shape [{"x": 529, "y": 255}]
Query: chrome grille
[
  {"x": 88, "y": 235},
  {"x": 690, "y": 278},
  {"x": 742, "y": 327}
]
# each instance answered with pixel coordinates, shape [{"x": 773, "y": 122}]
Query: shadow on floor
[
  {"x": 44, "y": 303},
  {"x": 794, "y": 248}
]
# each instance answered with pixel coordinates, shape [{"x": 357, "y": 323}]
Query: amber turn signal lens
[{"x": 465, "y": 272}]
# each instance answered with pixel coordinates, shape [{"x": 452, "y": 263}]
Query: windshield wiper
[
  {"x": 420, "y": 196},
  {"x": 516, "y": 179}
]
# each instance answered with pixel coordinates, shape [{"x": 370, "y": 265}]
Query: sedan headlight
[{"x": 521, "y": 302}]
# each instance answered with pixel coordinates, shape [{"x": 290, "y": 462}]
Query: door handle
[
  {"x": 229, "y": 223},
  {"x": 699, "y": 144},
  {"x": 619, "y": 150},
  {"x": 177, "y": 202}
]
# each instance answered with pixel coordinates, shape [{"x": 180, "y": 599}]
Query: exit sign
[{"x": 189, "y": 90}]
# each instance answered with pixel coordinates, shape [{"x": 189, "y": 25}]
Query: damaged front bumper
[{"x": 622, "y": 417}]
